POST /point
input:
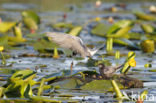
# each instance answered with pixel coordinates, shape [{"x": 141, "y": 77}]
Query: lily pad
[
  {"x": 152, "y": 70},
  {"x": 100, "y": 85},
  {"x": 120, "y": 28},
  {"x": 32, "y": 15},
  {"x": 62, "y": 25},
  {"x": 69, "y": 83},
  {"x": 5, "y": 26},
  {"x": 143, "y": 16},
  {"x": 147, "y": 28},
  {"x": 40, "y": 44},
  {"x": 100, "y": 29},
  {"x": 126, "y": 42},
  {"x": 30, "y": 19},
  {"x": 75, "y": 31}
]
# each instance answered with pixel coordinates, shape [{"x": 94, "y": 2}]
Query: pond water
[{"x": 78, "y": 12}]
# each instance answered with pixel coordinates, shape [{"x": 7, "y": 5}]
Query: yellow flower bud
[
  {"x": 1, "y": 48},
  {"x": 56, "y": 55},
  {"x": 97, "y": 19}
]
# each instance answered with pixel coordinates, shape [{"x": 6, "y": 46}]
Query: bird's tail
[{"x": 97, "y": 49}]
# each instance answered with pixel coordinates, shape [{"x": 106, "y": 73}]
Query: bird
[
  {"x": 107, "y": 71},
  {"x": 73, "y": 43}
]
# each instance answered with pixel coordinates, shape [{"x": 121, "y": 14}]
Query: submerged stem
[
  {"x": 109, "y": 44},
  {"x": 3, "y": 59}
]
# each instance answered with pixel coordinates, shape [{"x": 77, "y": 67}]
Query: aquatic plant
[
  {"x": 129, "y": 62},
  {"x": 3, "y": 58}
]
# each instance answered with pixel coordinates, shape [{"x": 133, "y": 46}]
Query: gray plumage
[
  {"x": 107, "y": 71},
  {"x": 71, "y": 42}
]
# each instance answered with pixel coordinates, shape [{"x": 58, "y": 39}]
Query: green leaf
[
  {"x": 71, "y": 83},
  {"x": 143, "y": 16},
  {"x": 30, "y": 19},
  {"x": 1, "y": 91},
  {"x": 44, "y": 99},
  {"x": 100, "y": 29},
  {"x": 4, "y": 41},
  {"x": 40, "y": 90},
  {"x": 126, "y": 42},
  {"x": 32, "y": 15},
  {"x": 5, "y": 26},
  {"x": 100, "y": 85},
  {"x": 75, "y": 31},
  {"x": 62, "y": 25},
  {"x": 43, "y": 44},
  {"x": 147, "y": 28},
  {"x": 22, "y": 74},
  {"x": 120, "y": 28},
  {"x": 19, "y": 85}
]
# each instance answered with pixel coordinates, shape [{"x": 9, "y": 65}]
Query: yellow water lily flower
[
  {"x": 132, "y": 62},
  {"x": 56, "y": 55},
  {"x": 97, "y": 19},
  {"x": 1, "y": 48}
]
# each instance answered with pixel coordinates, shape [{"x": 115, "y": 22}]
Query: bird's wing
[
  {"x": 67, "y": 41},
  {"x": 109, "y": 70},
  {"x": 61, "y": 39}
]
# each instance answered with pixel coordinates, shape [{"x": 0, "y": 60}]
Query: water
[{"x": 78, "y": 12}]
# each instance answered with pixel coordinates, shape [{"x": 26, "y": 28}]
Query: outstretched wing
[{"x": 67, "y": 41}]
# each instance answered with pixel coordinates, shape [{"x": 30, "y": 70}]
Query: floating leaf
[
  {"x": 40, "y": 44},
  {"x": 69, "y": 83},
  {"x": 5, "y": 26},
  {"x": 126, "y": 42},
  {"x": 44, "y": 99},
  {"x": 100, "y": 85},
  {"x": 32, "y": 15},
  {"x": 147, "y": 28},
  {"x": 133, "y": 35},
  {"x": 16, "y": 40},
  {"x": 120, "y": 28},
  {"x": 152, "y": 70},
  {"x": 62, "y": 25},
  {"x": 30, "y": 19},
  {"x": 75, "y": 30},
  {"x": 100, "y": 29},
  {"x": 143, "y": 16}
]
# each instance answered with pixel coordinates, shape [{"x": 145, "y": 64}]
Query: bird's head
[{"x": 101, "y": 66}]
